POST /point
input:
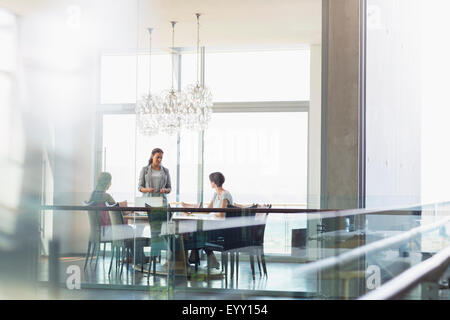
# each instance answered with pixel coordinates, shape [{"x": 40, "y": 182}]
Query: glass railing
[
  {"x": 115, "y": 252},
  {"x": 341, "y": 255},
  {"x": 178, "y": 253}
]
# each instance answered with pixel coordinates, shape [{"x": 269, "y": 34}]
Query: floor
[
  {"x": 133, "y": 284},
  {"x": 285, "y": 280}
]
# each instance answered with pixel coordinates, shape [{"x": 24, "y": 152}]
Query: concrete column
[
  {"x": 341, "y": 155},
  {"x": 340, "y": 103}
]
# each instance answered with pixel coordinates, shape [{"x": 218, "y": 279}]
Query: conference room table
[
  {"x": 183, "y": 222},
  {"x": 180, "y": 226}
]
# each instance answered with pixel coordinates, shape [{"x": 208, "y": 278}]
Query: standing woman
[{"x": 154, "y": 179}]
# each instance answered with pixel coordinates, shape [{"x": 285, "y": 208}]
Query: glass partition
[
  {"x": 70, "y": 74},
  {"x": 127, "y": 255},
  {"x": 345, "y": 263},
  {"x": 198, "y": 253}
]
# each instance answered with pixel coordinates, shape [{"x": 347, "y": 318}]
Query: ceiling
[
  {"x": 233, "y": 22},
  {"x": 224, "y": 23}
]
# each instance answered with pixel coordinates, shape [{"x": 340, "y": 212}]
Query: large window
[
  {"x": 125, "y": 77},
  {"x": 258, "y": 76},
  {"x": 119, "y": 141},
  {"x": 118, "y": 79},
  {"x": 262, "y": 155},
  {"x": 232, "y": 76}
]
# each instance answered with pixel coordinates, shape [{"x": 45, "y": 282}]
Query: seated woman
[
  {"x": 221, "y": 199},
  {"x": 99, "y": 197}
]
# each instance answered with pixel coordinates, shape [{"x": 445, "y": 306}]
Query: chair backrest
[
  {"x": 94, "y": 222},
  {"x": 117, "y": 224},
  {"x": 94, "y": 225},
  {"x": 116, "y": 217},
  {"x": 237, "y": 237},
  {"x": 156, "y": 217},
  {"x": 260, "y": 227},
  {"x": 248, "y": 232}
]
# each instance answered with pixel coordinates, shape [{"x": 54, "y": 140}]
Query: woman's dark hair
[
  {"x": 218, "y": 178},
  {"x": 103, "y": 181},
  {"x": 154, "y": 151}
]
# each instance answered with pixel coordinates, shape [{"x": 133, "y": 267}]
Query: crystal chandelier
[
  {"x": 171, "y": 103},
  {"x": 147, "y": 107},
  {"x": 172, "y": 110},
  {"x": 199, "y": 97}
]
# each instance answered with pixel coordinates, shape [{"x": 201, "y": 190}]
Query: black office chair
[
  {"x": 195, "y": 242},
  {"x": 227, "y": 241},
  {"x": 158, "y": 242},
  {"x": 253, "y": 242}
]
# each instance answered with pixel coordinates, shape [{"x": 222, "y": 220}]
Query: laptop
[{"x": 151, "y": 201}]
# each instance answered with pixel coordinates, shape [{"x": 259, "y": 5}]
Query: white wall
[
  {"x": 393, "y": 160},
  {"x": 435, "y": 71}
]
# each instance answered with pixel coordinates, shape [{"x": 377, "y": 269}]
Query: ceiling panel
[{"x": 224, "y": 23}]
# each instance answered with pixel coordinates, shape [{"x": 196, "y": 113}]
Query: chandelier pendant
[
  {"x": 174, "y": 110},
  {"x": 199, "y": 97},
  {"x": 172, "y": 103},
  {"x": 147, "y": 106}
]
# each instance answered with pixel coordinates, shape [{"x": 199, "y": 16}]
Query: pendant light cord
[
  {"x": 173, "y": 47},
  {"x": 150, "y": 62},
  {"x": 198, "y": 47}
]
